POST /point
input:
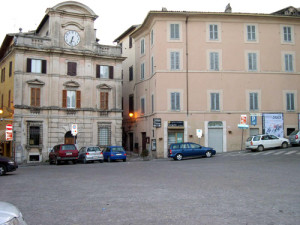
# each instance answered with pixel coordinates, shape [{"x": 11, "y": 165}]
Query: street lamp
[{"x": 130, "y": 114}]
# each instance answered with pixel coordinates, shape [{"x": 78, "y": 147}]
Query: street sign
[
  {"x": 157, "y": 122},
  {"x": 199, "y": 133},
  {"x": 9, "y": 132},
  {"x": 253, "y": 120},
  {"x": 74, "y": 129},
  {"x": 243, "y": 119}
]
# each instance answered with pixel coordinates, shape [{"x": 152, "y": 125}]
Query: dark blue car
[
  {"x": 183, "y": 150},
  {"x": 113, "y": 153}
]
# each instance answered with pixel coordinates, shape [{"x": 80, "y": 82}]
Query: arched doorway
[{"x": 69, "y": 138}]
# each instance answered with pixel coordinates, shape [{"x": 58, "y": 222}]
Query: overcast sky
[{"x": 116, "y": 16}]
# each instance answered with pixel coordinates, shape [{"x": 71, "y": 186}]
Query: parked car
[
  {"x": 90, "y": 154},
  {"x": 113, "y": 153},
  {"x": 10, "y": 214},
  {"x": 294, "y": 138},
  {"x": 179, "y": 151},
  {"x": 7, "y": 165},
  {"x": 63, "y": 153},
  {"x": 265, "y": 141}
]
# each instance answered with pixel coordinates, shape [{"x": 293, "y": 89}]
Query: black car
[{"x": 7, "y": 165}]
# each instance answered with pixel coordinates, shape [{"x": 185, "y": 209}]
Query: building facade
[
  {"x": 62, "y": 76},
  {"x": 196, "y": 72}
]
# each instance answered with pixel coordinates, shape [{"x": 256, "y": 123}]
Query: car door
[
  {"x": 186, "y": 150},
  {"x": 274, "y": 141},
  {"x": 196, "y": 149},
  {"x": 265, "y": 141}
]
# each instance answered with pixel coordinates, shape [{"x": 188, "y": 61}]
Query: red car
[{"x": 63, "y": 153}]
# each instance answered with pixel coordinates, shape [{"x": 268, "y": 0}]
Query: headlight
[
  {"x": 13, "y": 221},
  {"x": 11, "y": 162}
]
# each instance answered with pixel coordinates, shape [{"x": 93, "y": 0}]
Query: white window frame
[
  {"x": 36, "y": 66},
  {"x": 213, "y": 35},
  {"x": 252, "y": 61},
  {"x": 142, "y": 45},
  {"x": 217, "y": 53},
  {"x": 71, "y": 99},
  {"x": 175, "y": 60},
  {"x": 215, "y": 101},
  {"x": 214, "y": 61},
  {"x": 288, "y": 62},
  {"x": 142, "y": 71},
  {"x": 287, "y": 38},
  {"x": 210, "y": 107},
  {"x": 285, "y": 100},
  {"x": 255, "y": 99},
  {"x": 290, "y": 101},
  {"x": 175, "y": 98},
  {"x": 178, "y": 37},
  {"x": 253, "y": 33}
]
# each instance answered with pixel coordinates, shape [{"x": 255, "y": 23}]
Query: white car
[
  {"x": 90, "y": 154},
  {"x": 264, "y": 141},
  {"x": 10, "y": 214}
]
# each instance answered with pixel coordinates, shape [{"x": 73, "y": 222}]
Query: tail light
[
  {"x": 101, "y": 153},
  {"x": 296, "y": 136},
  {"x": 170, "y": 151},
  {"x": 112, "y": 155},
  {"x": 125, "y": 154},
  {"x": 251, "y": 143},
  {"x": 87, "y": 153}
]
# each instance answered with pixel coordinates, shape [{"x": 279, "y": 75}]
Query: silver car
[
  {"x": 295, "y": 138},
  {"x": 10, "y": 214},
  {"x": 90, "y": 154}
]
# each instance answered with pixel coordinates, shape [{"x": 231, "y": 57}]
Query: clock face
[{"x": 72, "y": 38}]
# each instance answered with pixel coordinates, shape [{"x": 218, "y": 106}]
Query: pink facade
[{"x": 195, "y": 70}]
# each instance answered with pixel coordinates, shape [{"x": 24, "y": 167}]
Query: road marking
[
  {"x": 268, "y": 153},
  {"x": 278, "y": 153},
  {"x": 288, "y": 153}
]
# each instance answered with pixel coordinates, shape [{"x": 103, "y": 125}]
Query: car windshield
[
  {"x": 118, "y": 149},
  {"x": 68, "y": 147},
  {"x": 294, "y": 132},
  {"x": 93, "y": 149}
]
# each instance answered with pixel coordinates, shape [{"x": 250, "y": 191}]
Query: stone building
[
  {"x": 62, "y": 76},
  {"x": 194, "y": 72}
]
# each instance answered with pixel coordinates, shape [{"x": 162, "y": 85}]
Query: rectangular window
[
  {"x": 10, "y": 69},
  {"x": 288, "y": 63},
  {"x": 251, "y": 33},
  {"x": 104, "y": 100},
  {"x": 104, "y": 134},
  {"x": 213, "y": 32},
  {"x": 287, "y": 34},
  {"x": 142, "y": 71},
  {"x": 71, "y": 99},
  {"x": 252, "y": 62},
  {"x": 142, "y": 106},
  {"x": 253, "y": 99},
  {"x": 131, "y": 104},
  {"x": 152, "y": 65},
  {"x": 104, "y": 72},
  {"x": 142, "y": 46},
  {"x": 175, "y": 60},
  {"x": 34, "y": 135},
  {"x": 290, "y": 102},
  {"x": 3, "y": 75},
  {"x": 152, "y": 103},
  {"x": 131, "y": 73},
  {"x": 152, "y": 37},
  {"x": 214, "y": 61},
  {"x": 174, "y": 32},
  {"x": 72, "y": 68},
  {"x": 36, "y": 66},
  {"x": 9, "y": 98},
  {"x": 175, "y": 101},
  {"x": 130, "y": 42},
  {"x": 35, "y": 97},
  {"x": 215, "y": 101}
]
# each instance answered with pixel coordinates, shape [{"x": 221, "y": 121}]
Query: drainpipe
[{"x": 187, "y": 64}]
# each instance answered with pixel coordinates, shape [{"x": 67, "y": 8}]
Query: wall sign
[
  {"x": 157, "y": 122},
  {"x": 273, "y": 124},
  {"x": 175, "y": 124}
]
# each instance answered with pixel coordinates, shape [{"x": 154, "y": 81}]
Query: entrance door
[
  {"x": 254, "y": 131},
  {"x": 69, "y": 138},
  {"x": 215, "y": 139},
  {"x": 144, "y": 141}
]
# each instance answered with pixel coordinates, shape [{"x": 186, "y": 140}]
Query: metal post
[{"x": 242, "y": 139}]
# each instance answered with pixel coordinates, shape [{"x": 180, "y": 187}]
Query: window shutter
[
  {"x": 38, "y": 97},
  {"x": 72, "y": 69},
  {"x": 103, "y": 100},
  {"x": 44, "y": 66},
  {"x": 64, "y": 99},
  {"x": 10, "y": 68},
  {"x": 217, "y": 102},
  {"x": 251, "y": 101},
  {"x": 32, "y": 103},
  {"x": 78, "y": 99},
  {"x": 28, "y": 70},
  {"x": 111, "y": 72},
  {"x": 97, "y": 71},
  {"x": 177, "y": 101}
]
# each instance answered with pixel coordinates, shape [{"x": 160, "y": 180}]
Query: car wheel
[
  {"x": 2, "y": 170},
  {"x": 100, "y": 161},
  {"x": 84, "y": 161},
  {"x": 109, "y": 159},
  {"x": 50, "y": 162},
  {"x": 74, "y": 161},
  {"x": 260, "y": 148},
  {"x": 284, "y": 145},
  {"x": 208, "y": 154},
  {"x": 124, "y": 160},
  {"x": 57, "y": 162},
  {"x": 178, "y": 157}
]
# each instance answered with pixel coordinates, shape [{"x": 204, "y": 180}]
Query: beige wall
[{"x": 233, "y": 81}]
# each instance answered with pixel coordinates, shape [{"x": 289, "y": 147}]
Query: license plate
[
  {"x": 119, "y": 154},
  {"x": 69, "y": 153}
]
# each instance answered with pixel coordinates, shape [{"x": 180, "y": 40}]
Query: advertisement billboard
[{"x": 273, "y": 124}]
